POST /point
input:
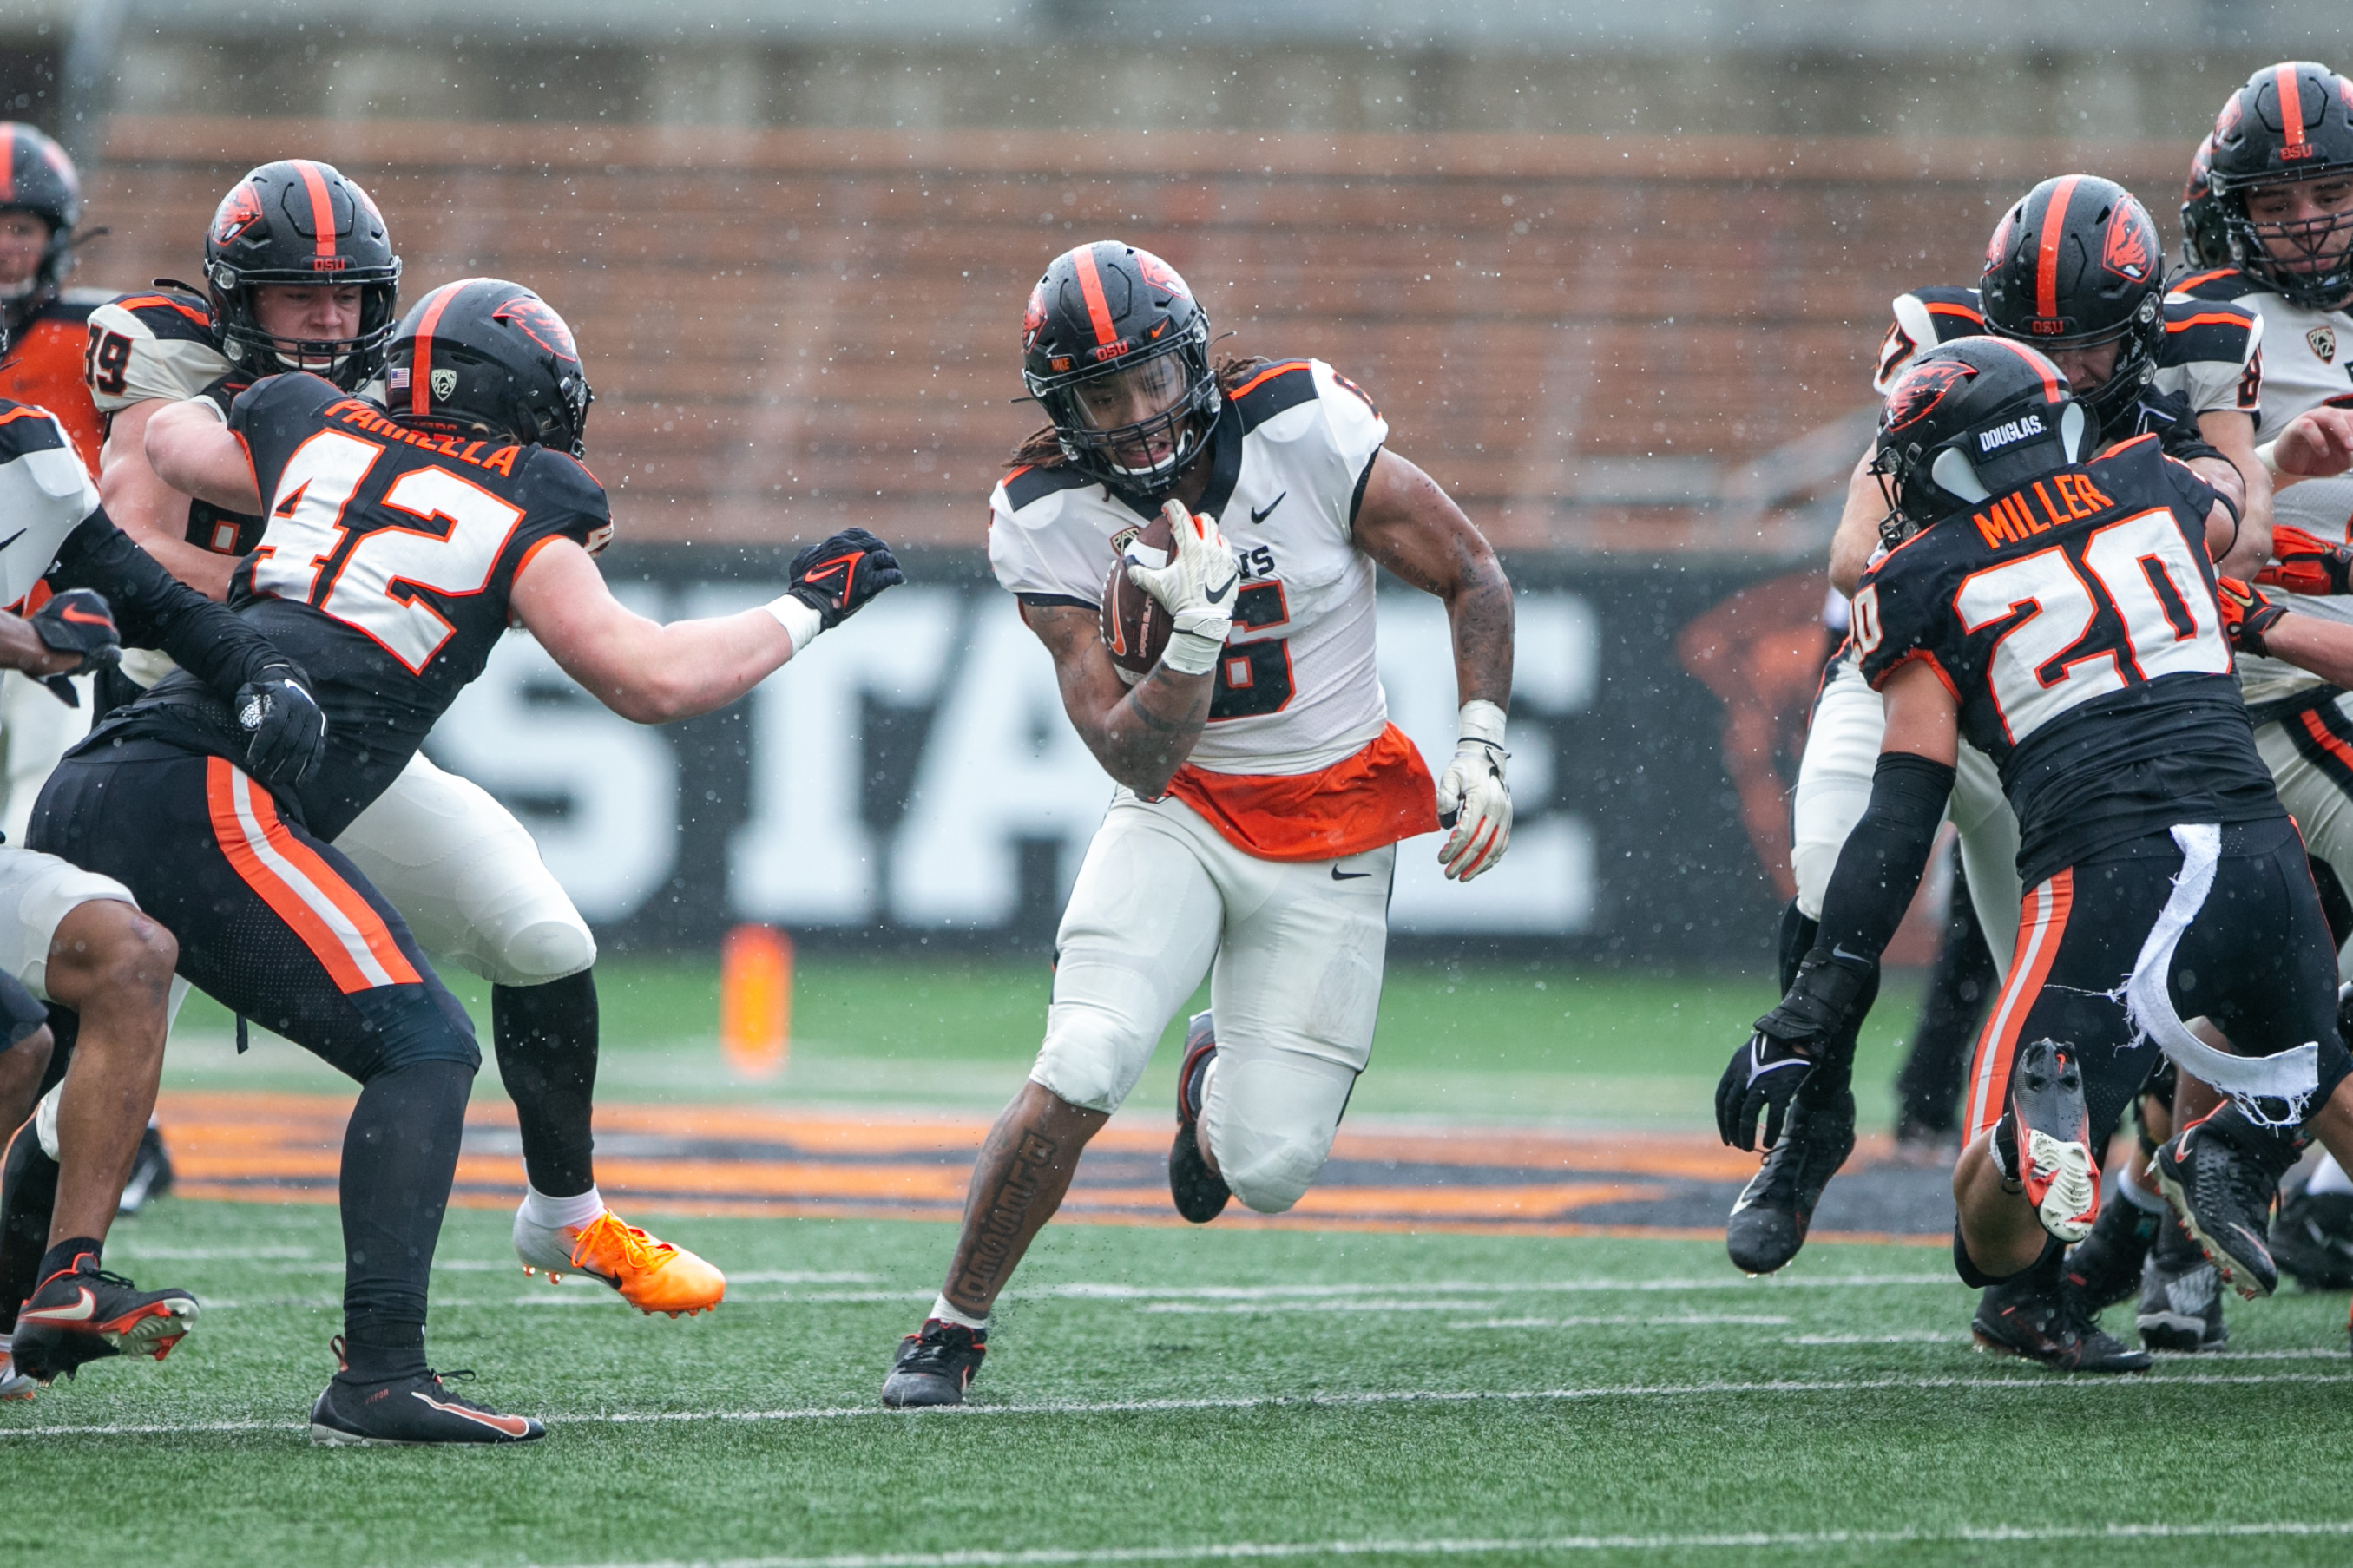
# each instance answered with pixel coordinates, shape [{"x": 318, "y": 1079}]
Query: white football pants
[
  {"x": 1835, "y": 788},
  {"x": 1296, "y": 985},
  {"x": 2316, "y": 787},
  {"x": 468, "y": 879}
]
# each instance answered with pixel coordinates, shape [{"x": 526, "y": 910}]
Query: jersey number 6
[
  {"x": 1254, "y": 678},
  {"x": 459, "y": 531}
]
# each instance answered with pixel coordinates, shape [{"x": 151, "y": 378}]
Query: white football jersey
[
  {"x": 1298, "y": 688},
  {"x": 45, "y": 495},
  {"x": 2307, "y": 360},
  {"x": 146, "y": 346}
]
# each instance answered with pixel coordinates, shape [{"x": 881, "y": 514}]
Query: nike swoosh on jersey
[
  {"x": 1259, "y": 514},
  {"x": 12, "y": 539},
  {"x": 1340, "y": 876}
]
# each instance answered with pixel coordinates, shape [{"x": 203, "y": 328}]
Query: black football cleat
[
  {"x": 2104, "y": 1267},
  {"x": 84, "y": 1314},
  {"x": 2220, "y": 1173},
  {"x": 2050, "y": 1133},
  {"x": 2180, "y": 1307},
  {"x": 150, "y": 1173},
  {"x": 1199, "y": 1191},
  {"x": 409, "y": 1412},
  {"x": 934, "y": 1365},
  {"x": 2312, "y": 1235},
  {"x": 2036, "y": 1316},
  {"x": 1769, "y": 1221}
]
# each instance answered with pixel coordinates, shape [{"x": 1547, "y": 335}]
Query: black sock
[
  {"x": 66, "y": 1253},
  {"x": 400, "y": 1154},
  {"x": 28, "y": 1191},
  {"x": 546, "y": 1041}
]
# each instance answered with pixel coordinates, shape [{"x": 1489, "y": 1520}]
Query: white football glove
[
  {"x": 1197, "y": 589},
  {"x": 1474, "y": 801}
]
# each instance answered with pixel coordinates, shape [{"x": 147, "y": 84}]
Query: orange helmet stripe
[
  {"x": 2046, "y": 261},
  {"x": 323, "y": 206},
  {"x": 420, "y": 370},
  {"x": 1091, "y": 285},
  {"x": 2291, "y": 96},
  {"x": 8, "y": 169}
]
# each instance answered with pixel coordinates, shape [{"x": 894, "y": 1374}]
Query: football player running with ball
[
  {"x": 1261, "y": 790},
  {"x": 398, "y": 544},
  {"x": 2063, "y": 614}
]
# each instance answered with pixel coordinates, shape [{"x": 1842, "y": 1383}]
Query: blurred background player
[
  {"x": 2277, "y": 173},
  {"x": 464, "y": 872},
  {"x": 491, "y": 401},
  {"x": 1262, "y": 788},
  {"x": 78, "y": 939},
  {"x": 2077, "y": 267}
]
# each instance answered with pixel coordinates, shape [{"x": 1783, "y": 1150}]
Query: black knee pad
[{"x": 411, "y": 1025}]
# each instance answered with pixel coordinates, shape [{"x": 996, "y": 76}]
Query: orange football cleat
[{"x": 651, "y": 1275}]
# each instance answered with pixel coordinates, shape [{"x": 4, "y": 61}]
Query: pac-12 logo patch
[
  {"x": 2324, "y": 344},
  {"x": 444, "y": 383},
  {"x": 1922, "y": 388}
]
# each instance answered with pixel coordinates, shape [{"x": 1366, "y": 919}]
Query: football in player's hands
[
  {"x": 80, "y": 622},
  {"x": 1195, "y": 585},
  {"x": 284, "y": 728},
  {"x": 837, "y": 577},
  {"x": 1134, "y": 625}
]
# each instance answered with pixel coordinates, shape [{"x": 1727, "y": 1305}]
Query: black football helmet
[
  {"x": 301, "y": 223},
  {"x": 2292, "y": 122},
  {"x": 488, "y": 359},
  {"x": 2205, "y": 238},
  {"x": 36, "y": 177},
  {"x": 2077, "y": 264},
  {"x": 1116, "y": 347},
  {"x": 1969, "y": 420}
]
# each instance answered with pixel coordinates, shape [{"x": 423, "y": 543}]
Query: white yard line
[
  {"x": 1540, "y": 1545},
  {"x": 2028, "y": 1382}
]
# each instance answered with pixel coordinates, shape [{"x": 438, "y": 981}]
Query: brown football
[{"x": 1135, "y": 627}]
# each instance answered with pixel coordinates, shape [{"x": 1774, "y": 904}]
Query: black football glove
[
  {"x": 284, "y": 730},
  {"x": 78, "y": 621},
  {"x": 837, "y": 577},
  {"x": 2247, "y": 615},
  {"x": 1787, "y": 1046}
]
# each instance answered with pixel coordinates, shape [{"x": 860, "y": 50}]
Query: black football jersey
[
  {"x": 2075, "y": 623},
  {"x": 385, "y": 565}
]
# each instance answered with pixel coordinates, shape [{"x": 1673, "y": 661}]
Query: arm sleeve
[
  {"x": 155, "y": 609},
  {"x": 1879, "y": 870}
]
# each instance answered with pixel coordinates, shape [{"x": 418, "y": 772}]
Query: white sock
[
  {"x": 2328, "y": 1176},
  {"x": 2128, "y": 1183},
  {"x": 561, "y": 1213},
  {"x": 947, "y": 1312}
]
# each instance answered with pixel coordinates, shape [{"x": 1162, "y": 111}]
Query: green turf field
[
  {"x": 1465, "y": 1042},
  {"x": 1180, "y": 1395}
]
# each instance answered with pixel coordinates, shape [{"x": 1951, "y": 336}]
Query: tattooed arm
[
  {"x": 1410, "y": 526},
  {"x": 1140, "y": 734}
]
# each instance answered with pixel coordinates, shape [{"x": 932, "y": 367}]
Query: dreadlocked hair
[{"x": 1043, "y": 450}]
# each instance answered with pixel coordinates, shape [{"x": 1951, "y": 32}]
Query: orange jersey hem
[{"x": 1367, "y": 799}]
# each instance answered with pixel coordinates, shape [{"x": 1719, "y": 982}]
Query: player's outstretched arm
[
  {"x": 152, "y": 512},
  {"x": 652, "y": 673},
  {"x": 1858, "y": 527},
  {"x": 194, "y": 453},
  {"x": 1140, "y": 734},
  {"x": 2255, "y": 625},
  {"x": 2241, "y": 476},
  {"x": 1878, "y": 871},
  {"x": 1412, "y": 527},
  {"x": 2317, "y": 444}
]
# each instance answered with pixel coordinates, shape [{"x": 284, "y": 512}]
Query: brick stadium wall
[{"x": 1591, "y": 342}]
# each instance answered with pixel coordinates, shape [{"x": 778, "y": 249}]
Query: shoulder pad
[
  {"x": 2223, "y": 283},
  {"x": 1274, "y": 389},
  {"x": 168, "y": 316},
  {"x": 2213, "y": 329},
  {"x": 1032, "y": 482},
  {"x": 25, "y": 429},
  {"x": 2140, "y": 449},
  {"x": 1924, "y": 319}
]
